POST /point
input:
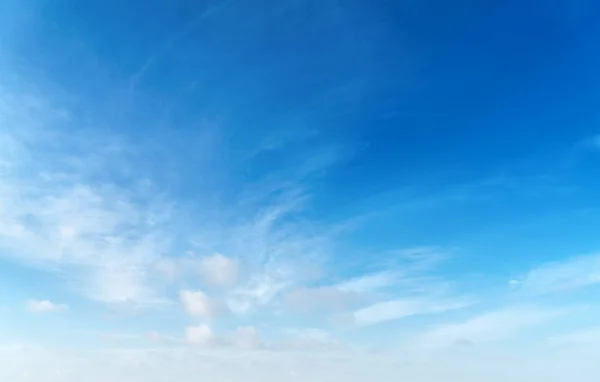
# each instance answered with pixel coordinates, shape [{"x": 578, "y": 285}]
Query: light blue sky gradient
[{"x": 393, "y": 178}]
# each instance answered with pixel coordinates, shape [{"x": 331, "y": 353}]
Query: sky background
[{"x": 299, "y": 190}]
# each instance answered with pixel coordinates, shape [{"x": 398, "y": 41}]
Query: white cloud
[
  {"x": 198, "y": 304},
  {"x": 84, "y": 204},
  {"x": 113, "y": 242},
  {"x": 45, "y": 306},
  {"x": 370, "y": 282},
  {"x": 410, "y": 270},
  {"x": 98, "y": 237},
  {"x": 489, "y": 327},
  {"x": 219, "y": 270},
  {"x": 199, "y": 335},
  {"x": 322, "y": 299},
  {"x": 259, "y": 291},
  {"x": 400, "y": 308},
  {"x": 576, "y": 272}
]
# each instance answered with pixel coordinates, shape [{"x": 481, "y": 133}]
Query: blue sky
[{"x": 306, "y": 188}]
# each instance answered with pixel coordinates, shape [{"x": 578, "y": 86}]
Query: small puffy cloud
[
  {"x": 199, "y": 335},
  {"x": 45, "y": 306},
  {"x": 198, "y": 304},
  {"x": 219, "y": 270}
]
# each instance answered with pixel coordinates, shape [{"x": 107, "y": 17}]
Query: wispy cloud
[
  {"x": 400, "y": 308},
  {"x": 488, "y": 327},
  {"x": 102, "y": 240},
  {"x": 559, "y": 276},
  {"x": 173, "y": 40},
  {"x": 57, "y": 213},
  {"x": 115, "y": 236},
  {"x": 45, "y": 306},
  {"x": 370, "y": 282},
  {"x": 412, "y": 269}
]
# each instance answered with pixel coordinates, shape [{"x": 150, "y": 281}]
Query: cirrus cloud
[{"x": 45, "y": 306}]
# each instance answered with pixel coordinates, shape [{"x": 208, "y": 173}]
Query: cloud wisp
[
  {"x": 45, "y": 306},
  {"x": 561, "y": 276}
]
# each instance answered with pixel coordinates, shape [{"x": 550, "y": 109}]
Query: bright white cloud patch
[
  {"x": 199, "y": 335},
  {"x": 198, "y": 304},
  {"x": 219, "y": 270},
  {"x": 45, "y": 306}
]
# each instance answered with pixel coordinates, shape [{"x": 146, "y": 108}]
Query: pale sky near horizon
[{"x": 277, "y": 190}]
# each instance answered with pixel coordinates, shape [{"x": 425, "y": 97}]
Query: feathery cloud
[
  {"x": 400, "y": 308},
  {"x": 488, "y": 327},
  {"x": 559, "y": 276},
  {"x": 45, "y": 306}
]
